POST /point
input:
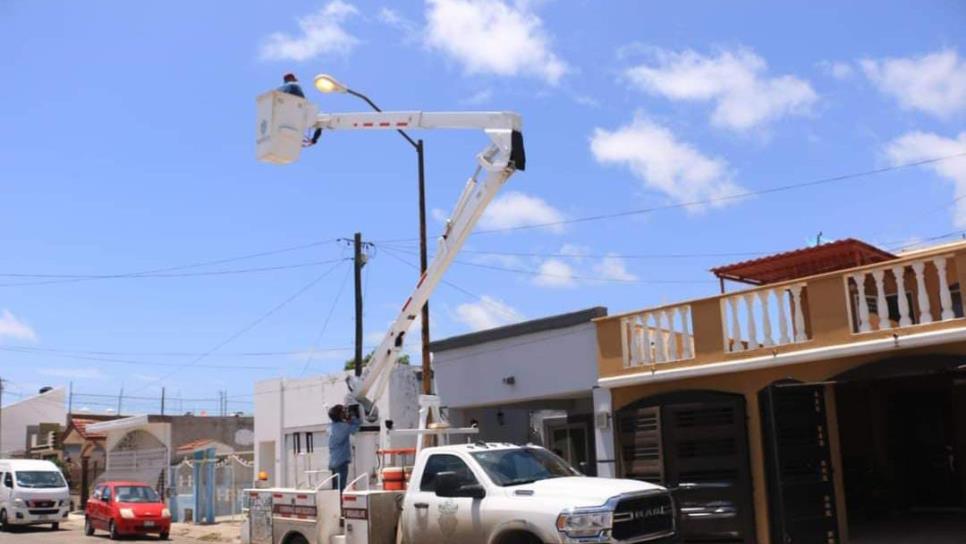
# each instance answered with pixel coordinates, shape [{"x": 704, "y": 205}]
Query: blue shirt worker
[
  {"x": 340, "y": 448},
  {"x": 290, "y": 85}
]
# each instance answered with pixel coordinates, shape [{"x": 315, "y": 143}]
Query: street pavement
[{"x": 72, "y": 532}]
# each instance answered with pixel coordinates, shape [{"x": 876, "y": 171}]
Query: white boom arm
[{"x": 496, "y": 163}]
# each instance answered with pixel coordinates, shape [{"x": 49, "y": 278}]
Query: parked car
[
  {"x": 32, "y": 492},
  {"x": 127, "y": 508}
]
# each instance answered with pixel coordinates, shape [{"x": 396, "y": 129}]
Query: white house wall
[
  {"x": 49, "y": 407},
  {"x": 547, "y": 364}
]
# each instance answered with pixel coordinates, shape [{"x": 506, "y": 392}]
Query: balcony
[{"x": 892, "y": 297}]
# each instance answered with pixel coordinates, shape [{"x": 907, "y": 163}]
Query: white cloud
[
  {"x": 933, "y": 83},
  {"x": 479, "y": 97},
  {"x": 663, "y": 163},
  {"x": 488, "y": 313},
  {"x": 836, "y": 69},
  {"x": 736, "y": 81},
  {"x": 75, "y": 373},
  {"x": 493, "y": 37},
  {"x": 613, "y": 267},
  {"x": 12, "y": 327},
  {"x": 555, "y": 273},
  {"x": 322, "y": 33},
  {"x": 516, "y": 209},
  {"x": 917, "y": 146}
]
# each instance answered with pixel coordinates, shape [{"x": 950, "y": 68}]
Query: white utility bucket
[{"x": 280, "y": 127}]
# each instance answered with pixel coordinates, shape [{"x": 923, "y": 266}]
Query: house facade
[
  {"x": 527, "y": 382},
  {"x": 824, "y": 403},
  {"x": 20, "y": 426},
  {"x": 292, "y": 422}
]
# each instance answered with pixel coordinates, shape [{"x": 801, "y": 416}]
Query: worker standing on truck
[{"x": 340, "y": 450}]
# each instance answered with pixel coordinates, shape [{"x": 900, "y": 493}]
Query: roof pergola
[{"x": 800, "y": 263}]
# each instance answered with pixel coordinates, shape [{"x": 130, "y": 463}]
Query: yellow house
[{"x": 825, "y": 402}]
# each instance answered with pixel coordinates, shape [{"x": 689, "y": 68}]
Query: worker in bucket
[
  {"x": 290, "y": 85},
  {"x": 340, "y": 450}
]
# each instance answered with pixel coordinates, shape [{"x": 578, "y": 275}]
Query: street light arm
[{"x": 378, "y": 109}]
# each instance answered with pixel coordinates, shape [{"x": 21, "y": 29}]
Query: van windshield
[
  {"x": 522, "y": 466},
  {"x": 40, "y": 479}
]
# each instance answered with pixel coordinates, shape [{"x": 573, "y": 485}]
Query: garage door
[
  {"x": 694, "y": 443},
  {"x": 801, "y": 496}
]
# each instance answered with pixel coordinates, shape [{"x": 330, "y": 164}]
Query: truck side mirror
[{"x": 448, "y": 485}]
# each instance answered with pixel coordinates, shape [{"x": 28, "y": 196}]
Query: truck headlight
[
  {"x": 585, "y": 523},
  {"x": 18, "y": 502},
  {"x": 127, "y": 513}
]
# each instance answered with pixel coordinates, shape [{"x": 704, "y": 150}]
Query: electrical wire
[
  {"x": 67, "y": 278},
  {"x": 713, "y": 200},
  {"x": 325, "y": 325},
  {"x": 249, "y": 326},
  {"x": 10, "y": 349}
]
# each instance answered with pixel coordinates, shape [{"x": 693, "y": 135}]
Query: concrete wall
[
  {"x": 49, "y": 407},
  {"x": 284, "y": 406},
  {"x": 546, "y": 364}
]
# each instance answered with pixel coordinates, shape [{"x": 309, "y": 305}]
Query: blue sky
[{"x": 128, "y": 146}]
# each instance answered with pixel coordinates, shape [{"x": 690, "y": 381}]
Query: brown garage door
[{"x": 695, "y": 443}]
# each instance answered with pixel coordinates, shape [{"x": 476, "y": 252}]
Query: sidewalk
[{"x": 225, "y": 530}]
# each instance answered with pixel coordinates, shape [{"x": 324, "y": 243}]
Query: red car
[{"x": 127, "y": 508}]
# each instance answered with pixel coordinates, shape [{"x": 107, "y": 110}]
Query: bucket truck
[{"x": 467, "y": 493}]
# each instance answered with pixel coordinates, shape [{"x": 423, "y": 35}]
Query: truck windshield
[
  {"x": 136, "y": 493},
  {"x": 40, "y": 478},
  {"x": 522, "y": 466}
]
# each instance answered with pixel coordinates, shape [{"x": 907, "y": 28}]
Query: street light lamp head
[{"x": 328, "y": 84}]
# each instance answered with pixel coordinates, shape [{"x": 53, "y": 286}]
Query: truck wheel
[
  {"x": 112, "y": 529},
  {"x": 519, "y": 537},
  {"x": 163, "y": 536},
  {"x": 55, "y": 526},
  {"x": 4, "y": 524},
  {"x": 88, "y": 527},
  {"x": 296, "y": 539}
]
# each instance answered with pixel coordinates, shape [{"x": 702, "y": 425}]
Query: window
[
  {"x": 136, "y": 493},
  {"x": 40, "y": 479},
  {"x": 8, "y": 480},
  {"x": 522, "y": 466},
  {"x": 97, "y": 493},
  {"x": 106, "y": 494},
  {"x": 309, "y": 443},
  {"x": 445, "y": 463},
  {"x": 297, "y": 443}
]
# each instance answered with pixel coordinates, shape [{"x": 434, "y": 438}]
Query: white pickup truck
[{"x": 482, "y": 493}]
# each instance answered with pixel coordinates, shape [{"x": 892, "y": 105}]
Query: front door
[
  {"x": 801, "y": 493},
  {"x": 571, "y": 441},
  {"x": 430, "y": 518}
]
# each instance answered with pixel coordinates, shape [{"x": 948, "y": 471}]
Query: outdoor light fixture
[{"x": 328, "y": 84}]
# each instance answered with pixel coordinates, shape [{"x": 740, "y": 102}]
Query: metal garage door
[
  {"x": 695, "y": 443},
  {"x": 801, "y": 496}
]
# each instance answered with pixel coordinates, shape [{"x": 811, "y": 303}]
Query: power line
[
  {"x": 325, "y": 325},
  {"x": 129, "y": 361},
  {"x": 531, "y": 272},
  {"x": 713, "y": 200},
  {"x": 155, "y": 271},
  {"x": 249, "y": 326},
  {"x": 170, "y": 353},
  {"x": 575, "y": 255}
]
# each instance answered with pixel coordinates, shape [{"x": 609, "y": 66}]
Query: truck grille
[
  {"x": 41, "y": 504},
  {"x": 637, "y": 519}
]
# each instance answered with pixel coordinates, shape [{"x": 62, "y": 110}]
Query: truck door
[{"x": 429, "y": 518}]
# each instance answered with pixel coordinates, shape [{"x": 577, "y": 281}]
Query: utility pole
[
  {"x": 423, "y": 263},
  {"x": 70, "y": 399},
  {"x": 358, "y": 263},
  {"x": 120, "y": 396},
  {"x": 162, "y": 401}
]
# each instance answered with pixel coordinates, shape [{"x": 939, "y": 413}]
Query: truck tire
[
  {"x": 55, "y": 526},
  {"x": 4, "y": 523},
  {"x": 518, "y": 537},
  {"x": 295, "y": 538}
]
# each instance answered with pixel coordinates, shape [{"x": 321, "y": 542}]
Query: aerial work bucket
[{"x": 280, "y": 127}]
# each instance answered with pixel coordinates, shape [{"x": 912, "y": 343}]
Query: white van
[{"x": 32, "y": 492}]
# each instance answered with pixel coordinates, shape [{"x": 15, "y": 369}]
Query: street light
[{"x": 327, "y": 84}]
